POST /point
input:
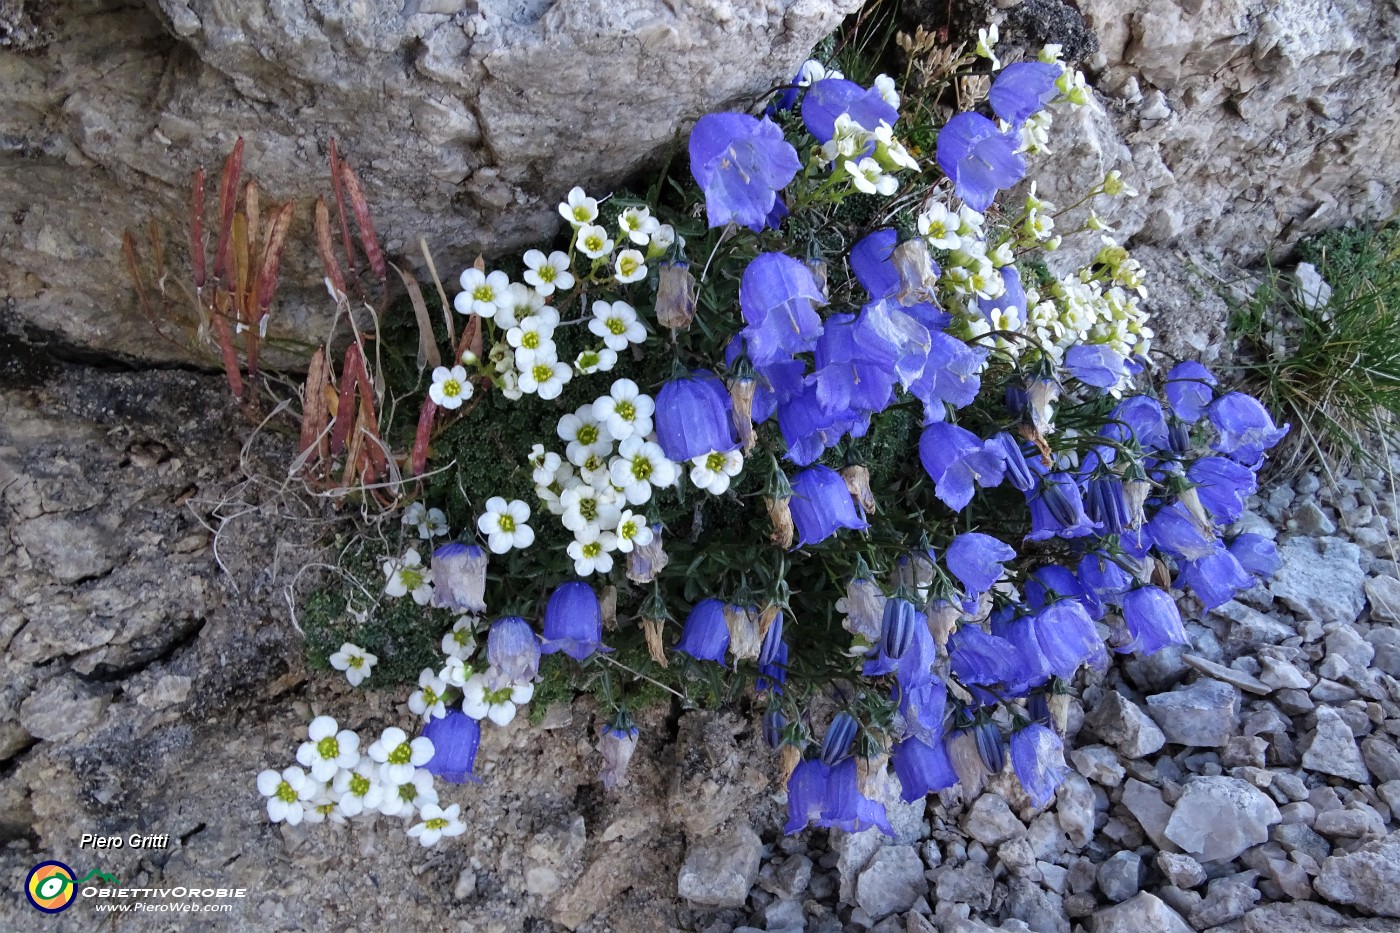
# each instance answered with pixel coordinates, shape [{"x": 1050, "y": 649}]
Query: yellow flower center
[
  {"x": 627, "y": 266},
  {"x": 627, "y": 530},
  {"x": 412, "y": 577},
  {"x": 641, "y": 468},
  {"x": 541, "y": 372},
  {"x": 714, "y": 462},
  {"x": 587, "y": 434},
  {"x": 286, "y": 793},
  {"x": 592, "y": 549},
  {"x": 625, "y": 410},
  {"x": 359, "y": 785},
  {"x": 547, "y": 273},
  {"x": 401, "y": 755},
  {"x": 531, "y": 340},
  {"x": 594, "y": 244},
  {"x": 484, "y": 293},
  {"x": 615, "y": 324},
  {"x": 436, "y": 823},
  {"x": 581, "y": 213},
  {"x": 328, "y": 748},
  {"x": 451, "y": 388},
  {"x": 507, "y": 523},
  {"x": 356, "y": 661}
]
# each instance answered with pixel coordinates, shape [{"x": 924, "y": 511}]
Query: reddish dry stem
[
  {"x": 368, "y": 239},
  {"x": 344, "y": 413},
  {"x": 325, "y": 249},
  {"x": 230, "y": 356},
  {"x": 419, "y": 460},
  {"x": 228, "y": 202},
  {"x": 339, "y": 191},
  {"x": 314, "y": 416},
  {"x": 272, "y": 257}
]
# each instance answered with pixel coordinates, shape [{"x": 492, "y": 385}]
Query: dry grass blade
[
  {"x": 427, "y": 344},
  {"x": 133, "y": 268},
  {"x": 325, "y": 249},
  {"x": 442, "y": 295},
  {"x": 368, "y": 240},
  {"x": 228, "y": 203}
]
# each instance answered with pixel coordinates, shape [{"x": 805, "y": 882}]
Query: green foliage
[{"x": 1333, "y": 371}]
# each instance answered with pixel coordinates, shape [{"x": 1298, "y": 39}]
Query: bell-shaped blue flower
[
  {"x": 772, "y": 674},
  {"x": 809, "y": 430},
  {"x": 1153, "y": 620},
  {"x": 573, "y": 621},
  {"x": 976, "y": 559},
  {"x": 459, "y": 577},
  {"x": 855, "y": 370},
  {"x": 773, "y": 646},
  {"x": 1057, "y": 509},
  {"x": 1018, "y": 471},
  {"x": 1103, "y": 578},
  {"x": 979, "y": 158},
  {"x": 982, "y": 660},
  {"x": 806, "y": 794},
  {"x": 821, "y": 504},
  {"x": 779, "y": 297},
  {"x": 952, "y": 375},
  {"x": 922, "y": 768},
  {"x": 871, "y": 262},
  {"x": 1068, "y": 638},
  {"x": 1189, "y": 390},
  {"x": 1139, "y": 417},
  {"x": 1223, "y": 486},
  {"x": 1245, "y": 428},
  {"x": 1095, "y": 364},
  {"x": 847, "y": 808},
  {"x": 836, "y": 744},
  {"x": 455, "y": 738},
  {"x": 740, "y": 162},
  {"x": 694, "y": 417},
  {"x": 1174, "y": 531},
  {"x": 831, "y": 97},
  {"x": 1023, "y": 89},
  {"x": 513, "y": 648},
  {"x": 958, "y": 462},
  {"x": 1105, "y": 504},
  {"x": 774, "y": 722},
  {"x": 705, "y": 636},
  {"x": 897, "y": 627},
  {"x": 989, "y": 746},
  {"x": 1256, "y": 554},
  {"x": 1038, "y": 758},
  {"x": 1215, "y": 578}
]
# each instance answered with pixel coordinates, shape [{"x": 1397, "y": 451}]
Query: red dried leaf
[
  {"x": 344, "y": 408},
  {"x": 230, "y": 356},
  {"x": 325, "y": 249},
  {"x": 272, "y": 257},
  {"x": 228, "y": 202},
  {"x": 360, "y": 206},
  {"x": 315, "y": 416},
  {"x": 338, "y": 190},
  {"x": 427, "y": 344},
  {"x": 419, "y": 459}
]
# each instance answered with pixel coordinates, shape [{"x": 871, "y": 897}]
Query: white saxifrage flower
[
  {"x": 591, "y": 549},
  {"x": 625, "y": 410},
  {"x": 713, "y": 471},
  {"x": 436, "y": 823},
  {"x": 637, "y": 224},
  {"x": 869, "y": 177},
  {"x": 397, "y": 756},
  {"x": 504, "y": 525},
  {"x": 427, "y": 700},
  {"x": 585, "y": 434},
  {"x": 484, "y": 698},
  {"x": 287, "y": 793},
  {"x": 661, "y": 240},
  {"x": 593, "y": 241},
  {"x": 884, "y": 84},
  {"x": 324, "y": 806},
  {"x": 579, "y": 209},
  {"x": 330, "y": 749},
  {"x": 481, "y": 293},
  {"x": 616, "y": 322},
  {"x": 356, "y": 662},
  {"x": 521, "y": 301},
  {"x": 358, "y": 789},
  {"x": 407, "y": 577},
  {"x": 639, "y": 466},
  {"x": 534, "y": 335},
  {"x": 545, "y": 376},
  {"x": 588, "y": 506},
  {"x": 547, "y": 273},
  {"x": 403, "y": 799},
  {"x": 939, "y": 227},
  {"x": 632, "y": 531},
  {"x": 631, "y": 266},
  {"x": 600, "y": 360},
  {"x": 450, "y": 387}
]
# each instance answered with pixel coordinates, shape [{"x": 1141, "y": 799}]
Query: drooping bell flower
[
  {"x": 1038, "y": 758},
  {"x": 773, "y": 645},
  {"x": 1105, "y": 505},
  {"x": 741, "y": 162},
  {"x": 772, "y": 675},
  {"x": 675, "y": 296},
  {"x": 976, "y": 559},
  {"x": 836, "y": 744},
  {"x": 1245, "y": 428},
  {"x": 979, "y": 158},
  {"x": 1139, "y": 417},
  {"x": 806, "y": 793},
  {"x": 1023, "y": 89},
  {"x": 1153, "y": 620},
  {"x": 922, "y": 768},
  {"x": 1222, "y": 486},
  {"x": 872, "y": 261},
  {"x": 455, "y": 738},
  {"x": 1018, "y": 472},
  {"x": 617, "y": 741},
  {"x": 693, "y": 417},
  {"x": 1068, "y": 638},
  {"x": 846, "y": 807},
  {"x": 573, "y": 621},
  {"x": 864, "y": 606},
  {"x": 459, "y": 577},
  {"x": 832, "y": 97},
  {"x": 951, "y": 375},
  {"x": 1189, "y": 390},
  {"x": 1176, "y": 532},
  {"x": 989, "y": 746},
  {"x": 1256, "y": 554},
  {"x": 957, "y": 462},
  {"x": 980, "y": 660},
  {"x": 808, "y": 429},
  {"x": 853, "y": 372},
  {"x": 1053, "y": 581},
  {"x": 647, "y": 560},
  {"x": 779, "y": 297},
  {"x": 1095, "y": 364},
  {"x": 705, "y": 637},
  {"x": 1057, "y": 509},
  {"x": 1215, "y": 578},
  {"x": 893, "y": 332},
  {"x": 897, "y": 627},
  {"x": 821, "y": 504},
  {"x": 774, "y": 722},
  {"x": 513, "y": 648},
  {"x": 1102, "y": 577}
]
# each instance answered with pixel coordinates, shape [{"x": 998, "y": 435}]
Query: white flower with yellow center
[
  {"x": 407, "y": 576},
  {"x": 1114, "y": 186},
  {"x": 450, "y": 387},
  {"x": 1001, "y": 255},
  {"x": 632, "y": 531},
  {"x": 713, "y": 471},
  {"x": 970, "y": 223},
  {"x": 398, "y": 757},
  {"x": 324, "y": 806},
  {"x": 356, "y": 662},
  {"x": 481, "y": 293},
  {"x": 599, "y": 360},
  {"x": 358, "y": 789},
  {"x": 661, "y": 241},
  {"x": 547, "y": 273},
  {"x": 427, "y": 701},
  {"x": 869, "y": 177},
  {"x": 630, "y": 266},
  {"x": 404, "y": 798},
  {"x": 890, "y": 152},
  {"x": 848, "y": 139},
  {"x": 461, "y": 641},
  {"x": 484, "y": 698},
  {"x": 504, "y": 525},
  {"x": 591, "y": 551},
  {"x": 813, "y": 70},
  {"x": 589, "y": 507},
  {"x": 593, "y": 241},
  {"x": 433, "y": 525},
  {"x": 546, "y": 466},
  {"x": 616, "y": 322},
  {"x": 637, "y": 224},
  {"x": 939, "y": 227},
  {"x": 533, "y": 336},
  {"x": 288, "y": 794},
  {"x": 579, "y": 209},
  {"x": 639, "y": 466},
  {"x": 545, "y": 376},
  {"x": 585, "y": 434},
  {"x": 436, "y": 823},
  {"x": 455, "y": 672},
  {"x": 330, "y": 749},
  {"x": 625, "y": 411}
]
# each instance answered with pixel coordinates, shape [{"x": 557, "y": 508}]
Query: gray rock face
[
  {"x": 1383, "y": 593},
  {"x": 1333, "y": 750},
  {"x": 990, "y": 821},
  {"x": 718, "y": 872},
  {"x": 1217, "y": 818},
  {"x": 1074, "y": 807},
  {"x": 1152, "y": 812},
  {"x": 1382, "y": 758},
  {"x": 1181, "y": 870},
  {"x": 1320, "y": 579},
  {"x": 1119, "y": 876},
  {"x": 1119, "y": 722},
  {"x": 1226, "y": 899},
  {"x": 467, "y": 122},
  {"x": 1143, "y": 912},
  {"x": 1367, "y": 879},
  {"x": 1204, "y": 714},
  {"x": 892, "y": 882},
  {"x": 1098, "y": 763},
  {"x": 968, "y": 883}
]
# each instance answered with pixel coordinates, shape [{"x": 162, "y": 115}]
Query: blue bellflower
[
  {"x": 573, "y": 621},
  {"x": 455, "y": 738},
  {"x": 1018, "y": 471},
  {"x": 779, "y": 296},
  {"x": 951, "y": 375},
  {"x": 957, "y": 462},
  {"x": 1174, "y": 531},
  {"x": 846, "y": 808},
  {"x": 1256, "y": 554},
  {"x": 1095, "y": 364},
  {"x": 513, "y": 648},
  {"x": 1189, "y": 390},
  {"x": 1245, "y": 428},
  {"x": 459, "y": 577},
  {"x": 1223, "y": 486},
  {"x": 810, "y": 430},
  {"x": 1215, "y": 577},
  {"x": 855, "y": 370},
  {"x": 976, "y": 559},
  {"x": 705, "y": 636},
  {"x": 836, "y": 744},
  {"x": 1023, "y": 89},
  {"x": 831, "y": 97},
  {"x": 741, "y": 162},
  {"x": 979, "y": 158},
  {"x": 922, "y": 768},
  {"x": 872, "y": 264},
  {"x": 1140, "y": 417},
  {"x": 1068, "y": 638},
  {"x": 694, "y": 417},
  {"x": 1100, "y": 576},
  {"x": 821, "y": 504},
  {"x": 1038, "y": 758},
  {"x": 981, "y": 660},
  {"x": 1153, "y": 620},
  {"x": 1057, "y": 509},
  {"x": 1105, "y": 504},
  {"x": 897, "y": 627}
]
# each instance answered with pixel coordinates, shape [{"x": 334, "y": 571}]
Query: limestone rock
[
  {"x": 719, "y": 872},
  {"x": 1218, "y": 818},
  {"x": 1119, "y": 876},
  {"x": 1367, "y": 879},
  {"x": 1119, "y": 722},
  {"x": 1143, "y": 912},
  {"x": 892, "y": 883},
  {"x": 1383, "y": 593},
  {"x": 1320, "y": 579},
  {"x": 1333, "y": 750},
  {"x": 990, "y": 821},
  {"x": 1204, "y": 714}
]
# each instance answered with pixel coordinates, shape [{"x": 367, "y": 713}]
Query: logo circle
[{"x": 50, "y": 887}]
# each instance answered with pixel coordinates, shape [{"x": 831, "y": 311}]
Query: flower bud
[
  {"x": 773, "y": 725},
  {"x": 771, "y": 624},
  {"x": 675, "y": 296},
  {"x": 741, "y": 397},
  {"x": 651, "y": 628},
  {"x": 897, "y": 627},
  {"x": 839, "y": 736},
  {"x": 857, "y": 480},
  {"x": 781, "y": 517}
]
